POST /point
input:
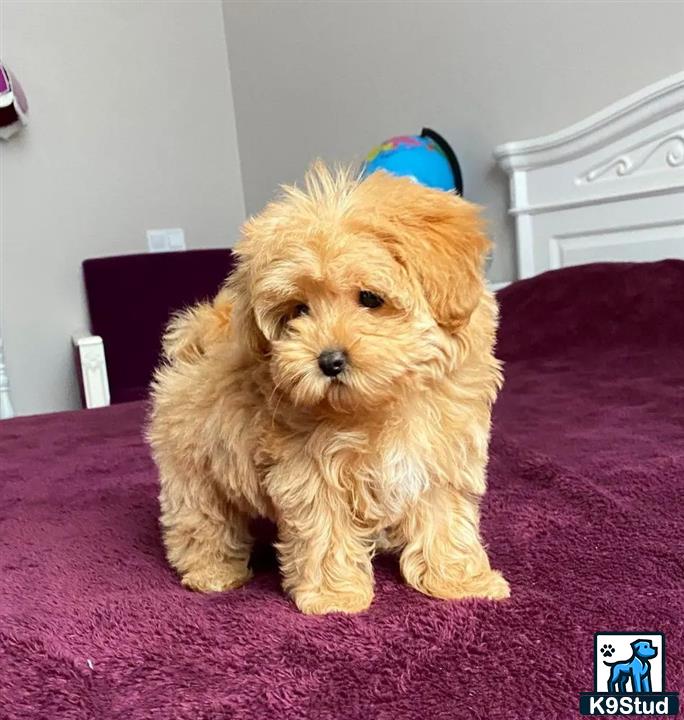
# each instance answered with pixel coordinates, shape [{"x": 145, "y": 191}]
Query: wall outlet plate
[{"x": 166, "y": 240}]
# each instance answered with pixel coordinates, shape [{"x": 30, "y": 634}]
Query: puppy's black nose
[{"x": 332, "y": 362}]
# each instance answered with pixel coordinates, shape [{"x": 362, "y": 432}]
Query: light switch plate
[{"x": 166, "y": 240}]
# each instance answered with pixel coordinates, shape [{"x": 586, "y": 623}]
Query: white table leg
[{"x": 6, "y": 409}]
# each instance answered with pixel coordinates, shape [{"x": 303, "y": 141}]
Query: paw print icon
[{"x": 607, "y": 650}]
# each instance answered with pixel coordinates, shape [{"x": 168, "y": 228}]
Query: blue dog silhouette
[{"x": 637, "y": 669}]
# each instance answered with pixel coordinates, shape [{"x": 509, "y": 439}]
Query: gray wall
[
  {"x": 132, "y": 127},
  {"x": 332, "y": 79}
]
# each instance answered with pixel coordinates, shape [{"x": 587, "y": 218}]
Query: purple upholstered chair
[{"x": 130, "y": 299}]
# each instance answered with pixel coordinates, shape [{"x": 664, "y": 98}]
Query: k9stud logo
[{"x": 629, "y": 676}]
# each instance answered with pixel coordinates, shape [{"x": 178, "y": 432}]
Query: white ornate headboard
[{"x": 609, "y": 188}]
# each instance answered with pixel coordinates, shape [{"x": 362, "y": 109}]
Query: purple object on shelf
[
  {"x": 13, "y": 104},
  {"x": 157, "y": 284}
]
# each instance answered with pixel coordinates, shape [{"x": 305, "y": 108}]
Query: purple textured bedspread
[{"x": 584, "y": 515}]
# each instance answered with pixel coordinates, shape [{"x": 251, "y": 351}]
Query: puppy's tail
[{"x": 190, "y": 332}]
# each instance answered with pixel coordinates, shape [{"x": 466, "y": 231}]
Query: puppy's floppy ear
[
  {"x": 438, "y": 237},
  {"x": 256, "y": 250},
  {"x": 239, "y": 287}
]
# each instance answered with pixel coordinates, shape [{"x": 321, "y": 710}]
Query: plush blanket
[{"x": 584, "y": 516}]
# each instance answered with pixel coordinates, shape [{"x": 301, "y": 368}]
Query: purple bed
[{"x": 584, "y": 516}]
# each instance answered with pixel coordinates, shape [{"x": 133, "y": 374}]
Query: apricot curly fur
[{"x": 390, "y": 454}]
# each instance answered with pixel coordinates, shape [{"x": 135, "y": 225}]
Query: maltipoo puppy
[{"x": 341, "y": 385}]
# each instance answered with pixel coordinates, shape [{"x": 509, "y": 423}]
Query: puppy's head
[{"x": 355, "y": 290}]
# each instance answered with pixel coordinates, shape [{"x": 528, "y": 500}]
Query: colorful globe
[{"x": 425, "y": 158}]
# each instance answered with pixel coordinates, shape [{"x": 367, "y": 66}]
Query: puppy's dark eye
[
  {"x": 370, "y": 299},
  {"x": 300, "y": 310}
]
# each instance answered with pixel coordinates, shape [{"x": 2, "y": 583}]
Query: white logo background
[{"x": 622, "y": 653}]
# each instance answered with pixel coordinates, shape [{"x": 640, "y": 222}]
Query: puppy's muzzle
[{"x": 332, "y": 362}]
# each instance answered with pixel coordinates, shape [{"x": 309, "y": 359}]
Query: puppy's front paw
[
  {"x": 489, "y": 584},
  {"x": 324, "y": 602},
  {"x": 217, "y": 579}
]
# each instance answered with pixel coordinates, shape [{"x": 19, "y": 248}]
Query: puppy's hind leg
[{"x": 207, "y": 538}]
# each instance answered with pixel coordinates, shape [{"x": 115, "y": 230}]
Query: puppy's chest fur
[
  {"x": 381, "y": 473},
  {"x": 393, "y": 479}
]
